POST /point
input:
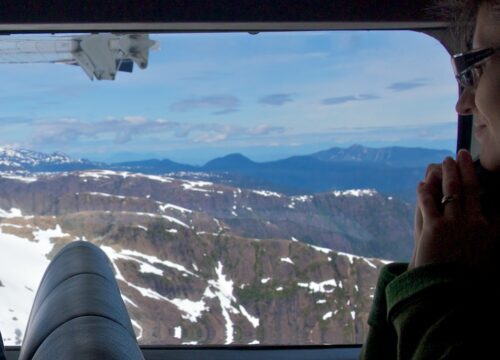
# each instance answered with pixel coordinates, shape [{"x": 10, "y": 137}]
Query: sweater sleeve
[
  {"x": 434, "y": 311},
  {"x": 438, "y": 311},
  {"x": 381, "y": 340}
]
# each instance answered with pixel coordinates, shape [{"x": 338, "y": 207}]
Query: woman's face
[{"x": 484, "y": 100}]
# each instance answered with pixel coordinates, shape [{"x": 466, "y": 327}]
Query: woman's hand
[
  {"x": 433, "y": 177},
  {"x": 456, "y": 231}
]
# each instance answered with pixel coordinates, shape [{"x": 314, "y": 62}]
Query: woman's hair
[{"x": 462, "y": 16}]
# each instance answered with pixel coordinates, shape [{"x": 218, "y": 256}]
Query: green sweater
[{"x": 438, "y": 311}]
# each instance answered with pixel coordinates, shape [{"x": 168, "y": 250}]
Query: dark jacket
[{"x": 439, "y": 311}]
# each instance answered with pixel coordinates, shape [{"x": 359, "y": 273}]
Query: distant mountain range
[
  {"x": 392, "y": 156},
  {"x": 391, "y": 170},
  {"x": 357, "y": 154}
]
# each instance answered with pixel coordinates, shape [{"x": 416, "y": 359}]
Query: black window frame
[{"x": 25, "y": 17}]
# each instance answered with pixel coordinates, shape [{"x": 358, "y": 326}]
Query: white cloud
[{"x": 128, "y": 128}]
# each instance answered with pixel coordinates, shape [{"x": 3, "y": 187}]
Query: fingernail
[{"x": 464, "y": 155}]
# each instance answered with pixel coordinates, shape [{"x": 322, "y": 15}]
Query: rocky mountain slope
[
  {"x": 204, "y": 263},
  {"x": 359, "y": 221}
]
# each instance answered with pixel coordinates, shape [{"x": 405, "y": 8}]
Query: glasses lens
[
  {"x": 470, "y": 77},
  {"x": 466, "y": 67}
]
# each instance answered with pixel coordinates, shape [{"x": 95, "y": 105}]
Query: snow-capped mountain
[{"x": 12, "y": 159}]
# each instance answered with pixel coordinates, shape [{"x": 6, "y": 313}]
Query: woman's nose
[{"x": 466, "y": 102}]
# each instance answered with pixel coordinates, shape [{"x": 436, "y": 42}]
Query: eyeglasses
[{"x": 468, "y": 66}]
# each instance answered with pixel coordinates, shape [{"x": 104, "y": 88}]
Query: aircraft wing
[{"x": 101, "y": 56}]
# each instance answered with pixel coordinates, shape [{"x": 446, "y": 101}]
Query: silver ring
[{"x": 448, "y": 199}]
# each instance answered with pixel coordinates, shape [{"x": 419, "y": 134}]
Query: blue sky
[{"x": 267, "y": 96}]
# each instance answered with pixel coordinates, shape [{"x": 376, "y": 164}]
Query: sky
[{"x": 267, "y": 96}]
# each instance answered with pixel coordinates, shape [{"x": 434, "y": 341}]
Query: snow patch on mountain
[
  {"x": 21, "y": 269},
  {"x": 369, "y": 261},
  {"x": 287, "y": 260},
  {"x": 302, "y": 198},
  {"x": 19, "y": 177},
  {"x": 43, "y": 237},
  {"x": 326, "y": 287},
  {"x": 224, "y": 292},
  {"x": 178, "y": 332},
  {"x": 106, "y": 195},
  {"x": 12, "y": 213},
  {"x": 136, "y": 325},
  {"x": 321, "y": 249},
  {"x": 196, "y": 185},
  {"x": 128, "y": 301},
  {"x": 166, "y": 217},
  {"x": 266, "y": 193},
  {"x": 164, "y": 207},
  {"x": 355, "y": 192},
  {"x": 252, "y": 319},
  {"x": 146, "y": 262},
  {"x": 12, "y": 225},
  {"x": 327, "y": 315},
  {"x": 191, "y": 309},
  {"x": 155, "y": 260},
  {"x": 162, "y": 179},
  {"x": 107, "y": 174},
  {"x": 220, "y": 287}
]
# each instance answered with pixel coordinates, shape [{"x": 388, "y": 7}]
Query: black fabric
[
  {"x": 76, "y": 339},
  {"x": 78, "y": 312},
  {"x": 490, "y": 191},
  {"x": 2, "y": 349},
  {"x": 74, "y": 259}
]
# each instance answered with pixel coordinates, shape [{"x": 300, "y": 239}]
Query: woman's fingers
[
  {"x": 429, "y": 194},
  {"x": 470, "y": 184},
  {"x": 451, "y": 188},
  {"x": 419, "y": 222},
  {"x": 434, "y": 173},
  {"x": 427, "y": 202},
  {"x": 434, "y": 180},
  {"x": 443, "y": 231}
]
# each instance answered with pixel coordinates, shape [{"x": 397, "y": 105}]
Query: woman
[{"x": 442, "y": 305}]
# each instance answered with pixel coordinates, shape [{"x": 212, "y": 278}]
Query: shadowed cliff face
[{"x": 201, "y": 263}]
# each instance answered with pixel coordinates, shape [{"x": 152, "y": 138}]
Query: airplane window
[{"x": 246, "y": 188}]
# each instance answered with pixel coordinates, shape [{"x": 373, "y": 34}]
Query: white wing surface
[{"x": 101, "y": 56}]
